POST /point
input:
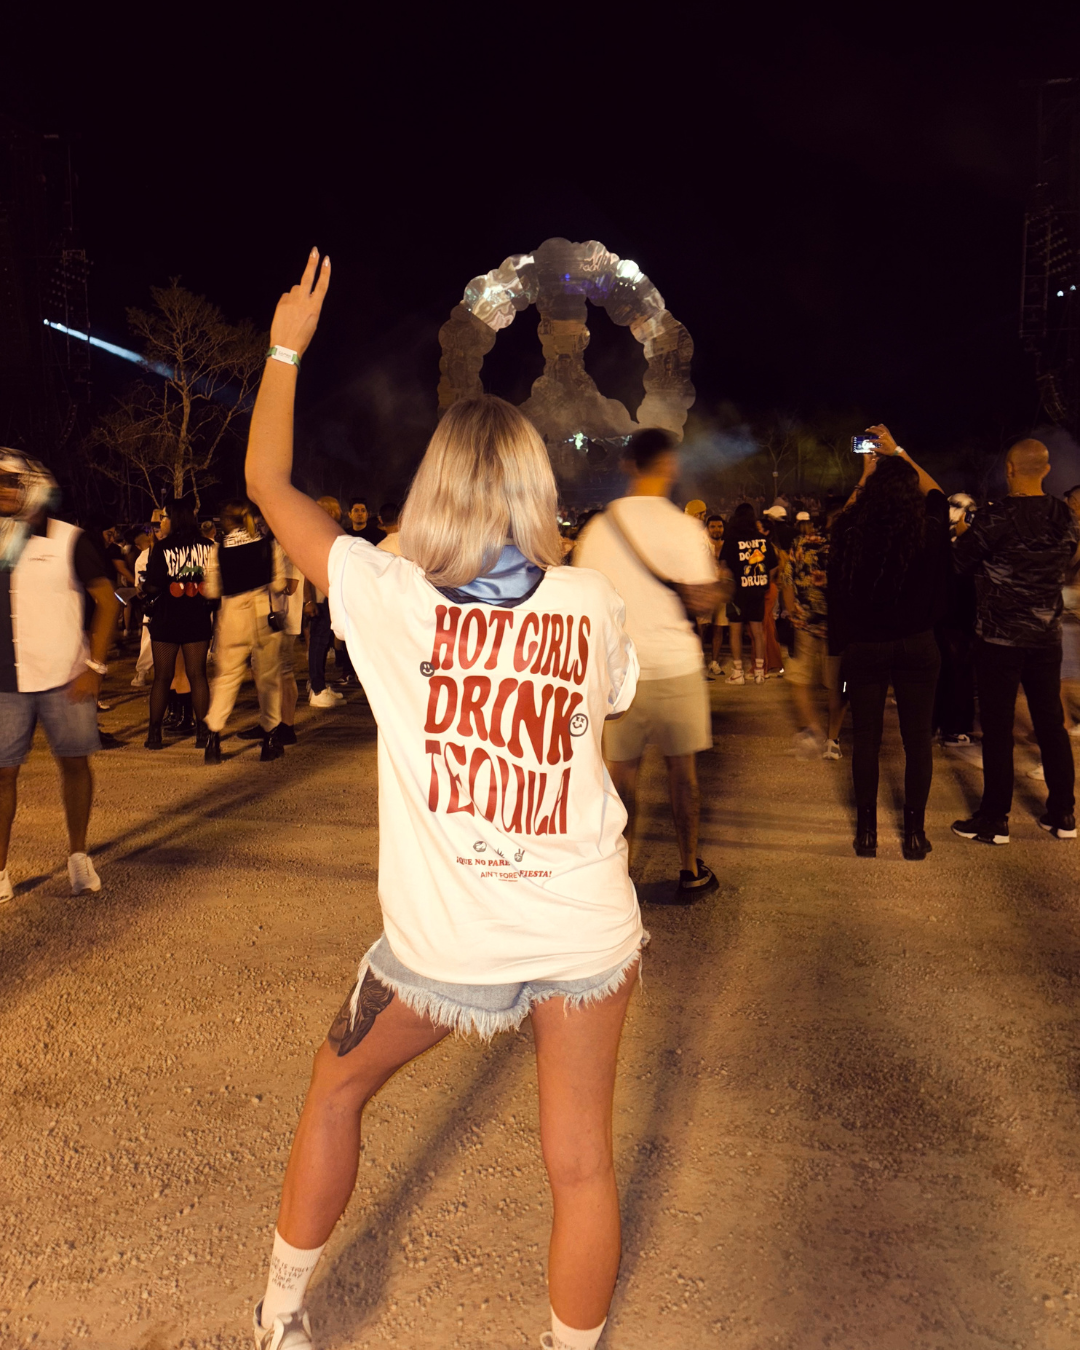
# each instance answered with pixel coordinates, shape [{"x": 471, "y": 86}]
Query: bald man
[{"x": 1018, "y": 550}]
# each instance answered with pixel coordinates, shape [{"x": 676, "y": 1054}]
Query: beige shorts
[
  {"x": 672, "y": 714},
  {"x": 812, "y": 664}
]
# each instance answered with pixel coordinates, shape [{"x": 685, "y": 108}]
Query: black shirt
[
  {"x": 919, "y": 601},
  {"x": 1018, "y": 550},
  {"x": 750, "y": 561},
  {"x": 89, "y": 566},
  {"x": 370, "y": 532}
]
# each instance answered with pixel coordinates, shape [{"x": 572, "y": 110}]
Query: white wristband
[{"x": 285, "y": 354}]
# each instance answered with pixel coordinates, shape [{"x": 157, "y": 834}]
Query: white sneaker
[
  {"x": 325, "y": 698},
  {"x": 759, "y": 673},
  {"x": 715, "y": 668},
  {"x": 139, "y": 682},
  {"x": 82, "y": 875},
  {"x": 807, "y": 744},
  {"x": 832, "y": 750},
  {"x": 7, "y": 891},
  {"x": 291, "y": 1332},
  {"x": 737, "y": 676}
]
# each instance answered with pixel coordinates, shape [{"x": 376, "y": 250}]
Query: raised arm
[
  {"x": 887, "y": 446},
  {"x": 305, "y": 531}
]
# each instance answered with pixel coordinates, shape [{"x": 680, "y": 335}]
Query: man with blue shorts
[{"x": 50, "y": 667}]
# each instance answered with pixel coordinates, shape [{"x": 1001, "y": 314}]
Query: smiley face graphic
[
  {"x": 426, "y": 669},
  {"x": 579, "y": 724}
]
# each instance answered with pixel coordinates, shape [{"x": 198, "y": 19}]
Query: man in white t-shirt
[{"x": 642, "y": 543}]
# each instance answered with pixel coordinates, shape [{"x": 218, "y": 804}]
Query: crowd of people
[{"x": 517, "y": 679}]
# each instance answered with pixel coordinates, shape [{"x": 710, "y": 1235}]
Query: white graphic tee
[{"x": 501, "y": 849}]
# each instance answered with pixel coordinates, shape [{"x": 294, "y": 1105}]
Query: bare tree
[{"x": 168, "y": 430}]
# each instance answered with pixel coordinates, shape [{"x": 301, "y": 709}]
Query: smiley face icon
[
  {"x": 426, "y": 669},
  {"x": 579, "y": 724}
]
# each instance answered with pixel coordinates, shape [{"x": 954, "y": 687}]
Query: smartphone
[{"x": 864, "y": 445}]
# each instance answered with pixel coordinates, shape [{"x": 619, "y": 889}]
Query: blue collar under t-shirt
[{"x": 512, "y": 580}]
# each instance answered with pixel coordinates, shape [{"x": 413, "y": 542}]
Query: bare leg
[
  {"x": 624, "y": 774},
  {"x": 685, "y": 807},
  {"x": 9, "y": 777},
  {"x": 576, "y": 1052},
  {"x": 77, "y": 785},
  {"x": 837, "y": 705},
  {"x": 350, "y": 1067},
  {"x": 717, "y": 639},
  {"x": 735, "y": 638},
  {"x": 757, "y": 640},
  {"x": 1070, "y": 702},
  {"x": 805, "y": 710}
]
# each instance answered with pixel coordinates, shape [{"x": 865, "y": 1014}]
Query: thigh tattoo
[{"x": 347, "y": 1032}]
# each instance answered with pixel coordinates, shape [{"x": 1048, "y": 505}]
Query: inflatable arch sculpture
[{"x": 558, "y": 278}]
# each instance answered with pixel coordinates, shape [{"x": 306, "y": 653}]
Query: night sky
[{"x": 834, "y": 213}]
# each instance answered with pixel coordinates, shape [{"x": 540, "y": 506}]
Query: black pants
[
  {"x": 954, "y": 707},
  {"x": 319, "y": 640},
  {"x": 911, "y": 666},
  {"x": 1000, "y": 672}
]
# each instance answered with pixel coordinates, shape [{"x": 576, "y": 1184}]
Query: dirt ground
[{"x": 847, "y": 1114}]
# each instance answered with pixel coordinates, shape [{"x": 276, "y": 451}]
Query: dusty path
[{"x": 847, "y": 1115}]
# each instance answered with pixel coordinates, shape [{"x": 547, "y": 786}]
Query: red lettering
[
  {"x": 446, "y": 625},
  {"x": 506, "y": 688},
  {"x": 540, "y": 824},
  {"x": 499, "y": 620},
  {"x": 432, "y": 748},
  {"x": 546, "y": 621},
  {"x": 455, "y": 803},
  {"x": 436, "y": 685},
  {"x": 520, "y": 661},
  {"x": 556, "y": 822},
  {"x": 554, "y": 652},
  {"x": 564, "y": 674},
  {"x": 474, "y": 695},
  {"x": 561, "y": 746},
  {"x": 525, "y": 711},
  {"x": 474, "y": 616},
  {"x": 504, "y": 777},
  {"x": 581, "y": 665},
  {"x": 479, "y": 759},
  {"x": 529, "y": 803}
]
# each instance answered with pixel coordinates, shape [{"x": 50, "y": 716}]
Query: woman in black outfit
[
  {"x": 180, "y": 617},
  {"x": 889, "y": 565}
]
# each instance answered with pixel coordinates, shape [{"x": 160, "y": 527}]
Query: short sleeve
[
  {"x": 88, "y": 563},
  {"x": 622, "y": 659},
  {"x": 354, "y": 569}
]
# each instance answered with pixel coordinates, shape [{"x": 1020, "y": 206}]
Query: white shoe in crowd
[
  {"x": 832, "y": 750},
  {"x": 139, "y": 682},
  {"x": 737, "y": 676},
  {"x": 82, "y": 875},
  {"x": 289, "y": 1332},
  {"x": 715, "y": 669},
  {"x": 759, "y": 673},
  {"x": 7, "y": 890},
  {"x": 807, "y": 743},
  {"x": 325, "y": 698}
]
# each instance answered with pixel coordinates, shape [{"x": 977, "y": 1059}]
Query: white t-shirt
[
  {"x": 501, "y": 849},
  {"x": 391, "y": 544},
  {"x": 677, "y": 546}
]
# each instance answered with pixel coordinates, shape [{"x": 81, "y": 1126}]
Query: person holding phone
[
  {"x": 888, "y": 586},
  {"x": 503, "y": 882}
]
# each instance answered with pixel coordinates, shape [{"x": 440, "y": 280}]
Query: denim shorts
[
  {"x": 70, "y": 728},
  {"x": 483, "y": 1008}
]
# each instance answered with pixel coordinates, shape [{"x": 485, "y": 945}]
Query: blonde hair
[{"x": 485, "y": 481}]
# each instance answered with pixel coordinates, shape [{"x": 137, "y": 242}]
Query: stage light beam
[{"x": 156, "y": 366}]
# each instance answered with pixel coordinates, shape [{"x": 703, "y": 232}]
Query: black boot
[
  {"x": 284, "y": 734},
  {"x": 916, "y": 844},
  {"x": 866, "y": 833},
  {"x": 202, "y": 733},
  {"x": 172, "y": 712},
  {"x": 186, "y": 725},
  {"x": 212, "y": 754},
  {"x": 271, "y": 747},
  {"x": 153, "y": 738}
]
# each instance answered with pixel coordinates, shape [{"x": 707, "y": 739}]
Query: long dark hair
[
  {"x": 743, "y": 523},
  {"x": 183, "y": 524},
  {"x": 876, "y": 538}
]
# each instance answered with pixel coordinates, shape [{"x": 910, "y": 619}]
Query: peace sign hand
[{"x": 297, "y": 313}]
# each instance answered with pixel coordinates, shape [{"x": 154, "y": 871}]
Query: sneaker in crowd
[
  {"x": 982, "y": 830},
  {"x": 954, "y": 740},
  {"x": 284, "y": 735},
  {"x": 737, "y": 676},
  {"x": 1061, "y": 827},
  {"x": 102, "y": 706},
  {"x": 832, "y": 750},
  {"x": 325, "y": 698},
  {"x": 1038, "y": 773},
  {"x": 715, "y": 669},
  {"x": 777, "y": 674},
  {"x": 692, "y": 886},
  {"x": 807, "y": 743},
  {"x": 82, "y": 875},
  {"x": 290, "y": 1332},
  {"x": 7, "y": 890},
  {"x": 759, "y": 672},
  {"x": 140, "y": 681}
]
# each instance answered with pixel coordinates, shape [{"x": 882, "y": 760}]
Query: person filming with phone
[{"x": 888, "y": 586}]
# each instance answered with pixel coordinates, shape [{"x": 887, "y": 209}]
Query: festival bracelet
[{"x": 285, "y": 354}]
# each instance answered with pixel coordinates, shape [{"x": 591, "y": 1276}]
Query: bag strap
[{"x": 612, "y": 515}]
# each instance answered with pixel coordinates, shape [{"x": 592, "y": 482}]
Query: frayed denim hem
[{"x": 465, "y": 1019}]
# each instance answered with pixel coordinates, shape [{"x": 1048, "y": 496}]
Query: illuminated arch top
[{"x": 558, "y": 278}]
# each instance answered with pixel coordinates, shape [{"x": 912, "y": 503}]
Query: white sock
[
  {"x": 569, "y": 1338},
  {"x": 290, "y": 1270}
]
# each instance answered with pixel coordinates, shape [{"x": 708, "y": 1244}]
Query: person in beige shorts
[
  {"x": 642, "y": 543},
  {"x": 802, "y": 583}
]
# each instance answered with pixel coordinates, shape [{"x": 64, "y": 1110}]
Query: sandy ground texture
[{"x": 846, "y": 1117}]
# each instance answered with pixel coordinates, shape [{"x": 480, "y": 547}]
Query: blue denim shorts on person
[
  {"x": 483, "y": 1008},
  {"x": 70, "y": 728}
]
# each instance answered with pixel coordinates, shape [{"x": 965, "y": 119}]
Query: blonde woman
[{"x": 502, "y": 866}]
